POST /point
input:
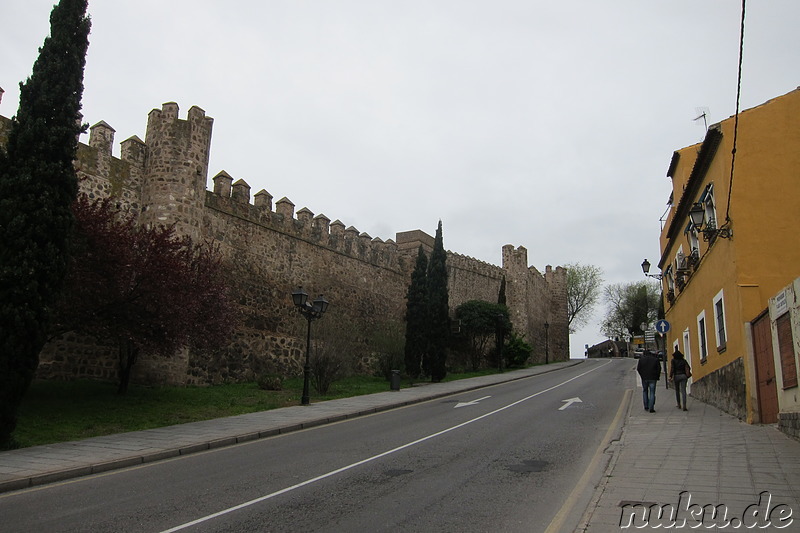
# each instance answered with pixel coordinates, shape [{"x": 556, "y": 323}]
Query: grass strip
[{"x": 60, "y": 411}]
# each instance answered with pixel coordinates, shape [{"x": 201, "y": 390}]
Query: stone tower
[
  {"x": 558, "y": 315},
  {"x": 537, "y": 304},
  {"x": 176, "y": 168}
]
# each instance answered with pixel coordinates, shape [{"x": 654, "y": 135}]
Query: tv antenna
[{"x": 701, "y": 112}]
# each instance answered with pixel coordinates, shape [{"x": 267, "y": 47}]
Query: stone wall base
[
  {"x": 724, "y": 389},
  {"x": 789, "y": 423}
]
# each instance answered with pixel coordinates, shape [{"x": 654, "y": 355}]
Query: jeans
[
  {"x": 680, "y": 388},
  {"x": 649, "y": 393}
]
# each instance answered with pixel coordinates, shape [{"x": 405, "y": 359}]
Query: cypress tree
[
  {"x": 38, "y": 184},
  {"x": 435, "y": 364},
  {"x": 499, "y": 336},
  {"x": 416, "y": 312}
]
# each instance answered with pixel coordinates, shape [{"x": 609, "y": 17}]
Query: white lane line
[{"x": 373, "y": 458}]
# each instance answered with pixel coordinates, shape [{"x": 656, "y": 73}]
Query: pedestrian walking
[
  {"x": 649, "y": 369},
  {"x": 679, "y": 374}
]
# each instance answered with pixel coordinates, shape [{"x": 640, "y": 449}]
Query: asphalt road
[{"x": 504, "y": 458}]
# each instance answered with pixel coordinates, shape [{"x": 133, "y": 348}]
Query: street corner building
[
  {"x": 730, "y": 262},
  {"x": 269, "y": 249}
]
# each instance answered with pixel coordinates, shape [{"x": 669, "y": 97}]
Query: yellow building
[{"x": 720, "y": 271}]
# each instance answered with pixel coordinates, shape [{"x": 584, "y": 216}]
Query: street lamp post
[
  {"x": 500, "y": 334},
  {"x": 708, "y": 226},
  {"x": 311, "y": 312},
  {"x": 643, "y": 327},
  {"x": 546, "y": 343},
  {"x": 646, "y": 270}
]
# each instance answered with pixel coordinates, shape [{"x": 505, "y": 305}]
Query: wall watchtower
[{"x": 176, "y": 168}]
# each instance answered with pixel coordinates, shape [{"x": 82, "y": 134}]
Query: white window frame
[
  {"x": 694, "y": 241},
  {"x": 687, "y": 346},
  {"x": 710, "y": 207},
  {"x": 722, "y": 339},
  {"x": 678, "y": 256},
  {"x": 669, "y": 274},
  {"x": 702, "y": 337}
]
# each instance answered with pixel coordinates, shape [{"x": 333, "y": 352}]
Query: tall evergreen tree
[
  {"x": 435, "y": 364},
  {"x": 501, "y": 294},
  {"x": 37, "y": 187},
  {"x": 500, "y": 330},
  {"x": 479, "y": 322},
  {"x": 416, "y": 312}
]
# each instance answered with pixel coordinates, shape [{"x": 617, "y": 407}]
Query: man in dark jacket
[{"x": 649, "y": 370}]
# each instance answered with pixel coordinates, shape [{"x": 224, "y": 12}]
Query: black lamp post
[
  {"x": 646, "y": 270},
  {"x": 697, "y": 214},
  {"x": 499, "y": 337},
  {"x": 311, "y": 312},
  {"x": 708, "y": 227},
  {"x": 546, "y": 343}
]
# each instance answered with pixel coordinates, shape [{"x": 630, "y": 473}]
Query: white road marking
[
  {"x": 583, "y": 483},
  {"x": 570, "y": 402},
  {"x": 473, "y": 402},
  {"x": 370, "y": 459}
]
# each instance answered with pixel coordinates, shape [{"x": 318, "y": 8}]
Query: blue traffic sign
[{"x": 662, "y": 326}]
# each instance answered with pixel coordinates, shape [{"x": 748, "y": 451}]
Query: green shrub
[
  {"x": 516, "y": 351},
  {"x": 270, "y": 382}
]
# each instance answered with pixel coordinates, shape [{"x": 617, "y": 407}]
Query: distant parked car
[{"x": 637, "y": 354}]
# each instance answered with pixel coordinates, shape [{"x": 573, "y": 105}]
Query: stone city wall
[
  {"x": 270, "y": 249},
  {"x": 471, "y": 279}
]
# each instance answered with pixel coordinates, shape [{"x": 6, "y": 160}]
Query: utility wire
[{"x": 736, "y": 118}]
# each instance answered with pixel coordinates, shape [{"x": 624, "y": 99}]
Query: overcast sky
[{"x": 543, "y": 124}]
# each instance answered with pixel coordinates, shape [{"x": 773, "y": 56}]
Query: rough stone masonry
[{"x": 270, "y": 249}]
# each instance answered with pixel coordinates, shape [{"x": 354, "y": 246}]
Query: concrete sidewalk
[
  {"x": 39, "y": 465},
  {"x": 701, "y": 457}
]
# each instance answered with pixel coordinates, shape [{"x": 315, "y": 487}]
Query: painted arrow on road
[
  {"x": 569, "y": 402},
  {"x": 473, "y": 402}
]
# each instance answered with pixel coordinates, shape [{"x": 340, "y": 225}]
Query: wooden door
[{"x": 765, "y": 369}]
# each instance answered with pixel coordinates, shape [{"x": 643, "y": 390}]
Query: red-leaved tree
[{"x": 145, "y": 289}]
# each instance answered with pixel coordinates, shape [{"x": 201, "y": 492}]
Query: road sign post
[{"x": 662, "y": 327}]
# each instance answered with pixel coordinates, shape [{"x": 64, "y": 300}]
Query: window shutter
[{"x": 785, "y": 345}]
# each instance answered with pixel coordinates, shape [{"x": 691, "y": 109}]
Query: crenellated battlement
[
  {"x": 516, "y": 259},
  {"x": 101, "y": 174},
  {"x": 101, "y": 137},
  {"x": 176, "y": 168},
  {"x": 559, "y": 275},
  {"x": 467, "y": 263},
  {"x": 233, "y": 199}
]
